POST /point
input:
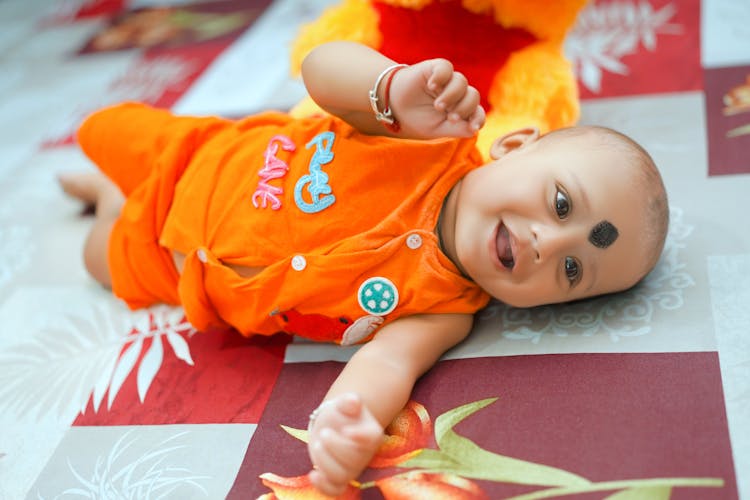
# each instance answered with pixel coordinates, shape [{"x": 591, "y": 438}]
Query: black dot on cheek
[{"x": 603, "y": 234}]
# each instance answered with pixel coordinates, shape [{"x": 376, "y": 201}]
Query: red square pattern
[
  {"x": 636, "y": 47},
  {"x": 230, "y": 382}
]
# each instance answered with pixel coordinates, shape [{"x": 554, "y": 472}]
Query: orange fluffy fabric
[{"x": 511, "y": 50}]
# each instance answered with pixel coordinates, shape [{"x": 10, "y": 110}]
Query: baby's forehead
[
  {"x": 596, "y": 139},
  {"x": 598, "y": 150}
]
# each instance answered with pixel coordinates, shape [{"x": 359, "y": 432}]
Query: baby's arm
[
  {"x": 428, "y": 99},
  {"x": 368, "y": 394}
]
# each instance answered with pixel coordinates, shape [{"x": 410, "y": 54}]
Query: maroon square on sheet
[
  {"x": 639, "y": 47},
  {"x": 603, "y": 417},
  {"x": 727, "y": 120}
]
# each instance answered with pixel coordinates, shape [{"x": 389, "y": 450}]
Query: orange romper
[{"x": 342, "y": 223}]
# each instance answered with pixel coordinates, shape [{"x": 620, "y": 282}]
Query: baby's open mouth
[{"x": 504, "y": 249}]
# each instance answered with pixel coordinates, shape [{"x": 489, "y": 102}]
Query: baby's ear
[{"x": 513, "y": 140}]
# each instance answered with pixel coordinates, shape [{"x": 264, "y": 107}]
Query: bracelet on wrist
[
  {"x": 386, "y": 116},
  {"x": 314, "y": 415}
]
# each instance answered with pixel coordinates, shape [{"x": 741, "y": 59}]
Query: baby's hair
[{"x": 647, "y": 176}]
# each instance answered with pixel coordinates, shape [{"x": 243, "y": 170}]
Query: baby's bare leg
[{"x": 95, "y": 188}]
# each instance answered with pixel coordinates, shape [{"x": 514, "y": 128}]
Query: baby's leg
[{"x": 95, "y": 188}]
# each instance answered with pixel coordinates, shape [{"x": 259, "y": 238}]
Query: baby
[{"x": 380, "y": 224}]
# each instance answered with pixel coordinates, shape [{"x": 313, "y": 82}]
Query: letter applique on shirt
[
  {"x": 273, "y": 168},
  {"x": 316, "y": 182}
]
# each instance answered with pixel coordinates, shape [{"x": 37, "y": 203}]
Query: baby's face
[{"x": 553, "y": 221}]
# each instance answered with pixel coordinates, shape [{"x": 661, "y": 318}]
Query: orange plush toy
[{"x": 510, "y": 50}]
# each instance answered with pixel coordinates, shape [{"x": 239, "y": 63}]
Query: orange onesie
[{"x": 341, "y": 223}]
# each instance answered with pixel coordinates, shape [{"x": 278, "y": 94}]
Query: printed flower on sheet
[
  {"x": 299, "y": 488},
  {"x": 418, "y": 484},
  {"x": 405, "y": 437},
  {"x": 737, "y": 100},
  {"x": 449, "y": 471}
]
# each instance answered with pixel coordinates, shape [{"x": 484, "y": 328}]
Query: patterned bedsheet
[{"x": 640, "y": 395}]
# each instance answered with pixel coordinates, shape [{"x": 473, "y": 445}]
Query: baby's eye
[
  {"x": 562, "y": 203},
  {"x": 572, "y": 270}
]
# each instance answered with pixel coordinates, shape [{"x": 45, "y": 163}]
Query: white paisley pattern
[
  {"x": 133, "y": 469},
  {"x": 627, "y": 314},
  {"x": 16, "y": 248}
]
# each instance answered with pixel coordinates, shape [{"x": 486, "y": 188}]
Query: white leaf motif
[
  {"x": 180, "y": 347},
  {"x": 100, "y": 389},
  {"x": 54, "y": 370},
  {"x": 142, "y": 322},
  {"x": 150, "y": 365},
  {"x": 124, "y": 366},
  {"x": 86, "y": 355},
  {"x": 605, "y": 33},
  {"x": 591, "y": 74}
]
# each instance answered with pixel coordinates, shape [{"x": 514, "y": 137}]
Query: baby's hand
[
  {"x": 431, "y": 100},
  {"x": 343, "y": 438}
]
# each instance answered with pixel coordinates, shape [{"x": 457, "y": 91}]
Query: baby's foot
[
  {"x": 85, "y": 186},
  {"x": 100, "y": 194}
]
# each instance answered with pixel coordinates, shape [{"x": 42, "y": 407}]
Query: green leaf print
[
  {"x": 462, "y": 456},
  {"x": 647, "y": 493}
]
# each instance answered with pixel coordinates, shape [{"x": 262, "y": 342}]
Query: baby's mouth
[{"x": 504, "y": 249}]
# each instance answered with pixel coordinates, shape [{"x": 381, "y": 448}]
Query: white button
[
  {"x": 298, "y": 263},
  {"x": 414, "y": 241},
  {"x": 202, "y": 255}
]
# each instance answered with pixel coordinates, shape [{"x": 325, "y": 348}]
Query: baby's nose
[{"x": 553, "y": 242}]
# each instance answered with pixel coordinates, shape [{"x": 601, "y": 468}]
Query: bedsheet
[{"x": 637, "y": 395}]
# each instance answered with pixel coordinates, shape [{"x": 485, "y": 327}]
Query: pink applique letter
[{"x": 273, "y": 168}]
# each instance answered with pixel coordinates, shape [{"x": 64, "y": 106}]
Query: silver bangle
[
  {"x": 385, "y": 116},
  {"x": 314, "y": 415}
]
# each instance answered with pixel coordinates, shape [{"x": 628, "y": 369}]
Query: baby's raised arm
[
  {"x": 368, "y": 394},
  {"x": 428, "y": 99}
]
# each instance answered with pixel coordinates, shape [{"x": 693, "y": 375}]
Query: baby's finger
[
  {"x": 365, "y": 434},
  {"x": 322, "y": 454},
  {"x": 324, "y": 485},
  {"x": 459, "y": 128},
  {"x": 350, "y": 453},
  {"x": 440, "y": 75},
  {"x": 466, "y": 107},
  {"x": 476, "y": 121},
  {"x": 453, "y": 92},
  {"x": 349, "y": 404}
]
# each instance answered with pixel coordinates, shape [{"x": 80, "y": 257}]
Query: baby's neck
[{"x": 446, "y": 226}]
